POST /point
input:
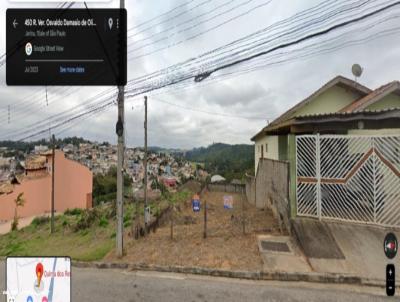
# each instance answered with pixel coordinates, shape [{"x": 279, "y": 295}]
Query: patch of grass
[
  {"x": 97, "y": 253},
  {"x": 88, "y": 244},
  {"x": 13, "y": 248}
]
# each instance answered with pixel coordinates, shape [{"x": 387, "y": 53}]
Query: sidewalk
[
  {"x": 5, "y": 227},
  {"x": 23, "y": 222},
  {"x": 324, "y": 252},
  {"x": 345, "y": 248}
]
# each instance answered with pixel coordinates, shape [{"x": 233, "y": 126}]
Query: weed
[
  {"x": 103, "y": 222},
  {"x": 41, "y": 220},
  {"x": 73, "y": 212},
  {"x": 87, "y": 219}
]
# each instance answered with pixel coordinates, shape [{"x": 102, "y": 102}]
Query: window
[{"x": 266, "y": 148}]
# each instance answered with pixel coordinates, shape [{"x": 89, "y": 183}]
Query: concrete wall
[
  {"x": 251, "y": 189},
  {"x": 74, "y": 184},
  {"x": 73, "y": 189},
  {"x": 270, "y": 188},
  {"x": 272, "y": 152},
  {"x": 230, "y": 188},
  {"x": 37, "y": 194}
]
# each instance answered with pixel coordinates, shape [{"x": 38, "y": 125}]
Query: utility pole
[
  {"x": 120, "y": 176},
  {"x": 53, "y": 172},
  {"x": 145, "y": 163}
]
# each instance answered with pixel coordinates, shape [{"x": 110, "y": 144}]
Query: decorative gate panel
[{"x": 354, "y": 178}]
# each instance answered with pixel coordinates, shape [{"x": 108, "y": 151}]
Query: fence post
[
  {"x": 374, "y": 174},
  {"x": 318, "y": 173},
  {"x": 172, "y": 224},
  {"x": 205, "y": 219},
  {"x": 292, "y": 151},
  {"x": 243, "y": 218}
]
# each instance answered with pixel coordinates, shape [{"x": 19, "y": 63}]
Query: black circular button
[{"x": 390, "y": 245}]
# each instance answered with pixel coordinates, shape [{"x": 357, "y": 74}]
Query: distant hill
[
  {"x": 157, "y": 149},
  {"x": 230, "y": 161}
]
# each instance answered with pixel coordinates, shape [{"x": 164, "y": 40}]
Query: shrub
[
  {"x": 73, "y": 212},
  {"x": 41, "y": 220},
  {"x": 127, "y": 217},
  {"x": 103, "y": 222},
  {"x": 87, "y": 218},
  {"x": 65, "y": 223}
]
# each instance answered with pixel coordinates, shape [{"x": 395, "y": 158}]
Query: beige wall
[
  {"x": 389, "y": 101},
  {"x": 329, "y": 101},
  {"x": 73, "y": 189},
  {"x": 272, "y": 152}
]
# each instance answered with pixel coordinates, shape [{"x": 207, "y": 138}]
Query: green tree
[{"x": 19, "y": 202}]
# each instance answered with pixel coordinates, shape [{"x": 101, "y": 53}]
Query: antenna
[{"x": 357, "y": 70}]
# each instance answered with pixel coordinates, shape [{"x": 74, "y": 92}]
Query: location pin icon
[
  {"x": 39, "y": 273},
  {"x": 110, "y": 23}
]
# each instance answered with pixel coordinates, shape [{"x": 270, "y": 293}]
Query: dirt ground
[{"x": 226, "y": 247}]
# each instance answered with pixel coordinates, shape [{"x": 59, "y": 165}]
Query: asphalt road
[{"x": 93, "y": 285}]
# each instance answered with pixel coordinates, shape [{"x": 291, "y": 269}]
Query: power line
[
  {"x": 168, "y": 82},
  {"x": 162, "y": 15},
  {"x": 199, "y": 34},
  {"x": 190, "y": 21},
  {"x": 189, "y": 64},
  {"x": 172, "y": 18},
  {"x": 308, "y": 37},
  {"x": 209, "y": 112}
]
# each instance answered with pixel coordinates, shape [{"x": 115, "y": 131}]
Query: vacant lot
[{"x": 225, "y": 246}]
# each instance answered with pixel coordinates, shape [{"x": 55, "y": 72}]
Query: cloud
[{"x": 248, "y": 100}]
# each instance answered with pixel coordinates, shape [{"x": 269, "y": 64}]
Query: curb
[{"x": 249, "y": 275}]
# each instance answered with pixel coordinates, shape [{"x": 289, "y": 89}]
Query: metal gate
[{"x": 353, "y": 178}]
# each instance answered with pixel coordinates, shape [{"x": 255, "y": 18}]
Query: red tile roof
[{"x": 369, "y": 99}]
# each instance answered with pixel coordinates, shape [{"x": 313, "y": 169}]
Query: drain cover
[{"x": 274, "y": 246}]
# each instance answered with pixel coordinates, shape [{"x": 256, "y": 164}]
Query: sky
[{"x": 230, "y": 110}]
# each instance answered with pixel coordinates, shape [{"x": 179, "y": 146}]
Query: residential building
[
  {"x": 335, "y": 140},
  {"x": 73, "y": 187}
]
